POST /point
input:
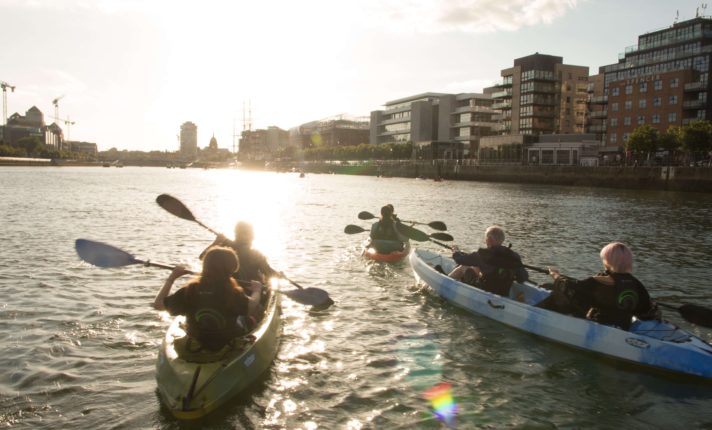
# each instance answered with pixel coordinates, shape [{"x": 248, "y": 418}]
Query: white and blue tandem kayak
[{"x": 654, "y": 344}]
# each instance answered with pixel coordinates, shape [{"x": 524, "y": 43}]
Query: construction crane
[
  {"x": 55, "y": 102},
  {"x": 5, "y": 86},
  {"x": 68, "y": 122}
]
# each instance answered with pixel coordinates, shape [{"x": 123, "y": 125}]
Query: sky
[{"x": 130, "y": 72}]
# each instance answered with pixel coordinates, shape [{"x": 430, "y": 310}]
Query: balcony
[
  {"x": 502, "y": 105},
  {"x": 597, "y": 128},
  {"x": 694, "y": 104},
  {"x": 599, "y": 114},
  {"x": 695, "y": 86},
  {"x": 598, "y": 100},
  {"x": 502, "y": 94},
  {"x": 476, "y": 109}
]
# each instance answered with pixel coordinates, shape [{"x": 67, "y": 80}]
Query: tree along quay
[{"x": 673, "y": 178}]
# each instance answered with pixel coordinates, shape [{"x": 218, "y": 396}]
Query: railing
[
  {"x": 598, "y": 100},
  {"x": 502, "y": 105},
  {"x": 693, "y": 104},
  {"x": 695, "y": 86},
  {"x": 599, "y": 113}
]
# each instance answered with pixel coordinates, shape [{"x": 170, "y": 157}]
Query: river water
[{"x": 79, "y": 343}]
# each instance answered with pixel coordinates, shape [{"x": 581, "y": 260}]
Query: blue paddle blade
[{"x": 103, "y": 255}]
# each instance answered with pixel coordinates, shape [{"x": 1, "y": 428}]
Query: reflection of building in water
[
  {"x": 189, "y": 139},
  {"x": 32, "y": 125},
  {"x": 340, "y": 130}
]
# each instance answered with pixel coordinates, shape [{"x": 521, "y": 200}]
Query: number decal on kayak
[
  {"x": 249, "y": 360},
  {"x": 638, "y": 343}
]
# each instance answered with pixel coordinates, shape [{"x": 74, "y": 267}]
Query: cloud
[{"x": 470, "y": 16}]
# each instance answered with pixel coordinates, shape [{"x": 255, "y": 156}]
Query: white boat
[{"x": 654, "y": 344}]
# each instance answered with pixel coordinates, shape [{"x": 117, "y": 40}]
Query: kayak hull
[
  {"x": 391, "y": 257},
  {"x": 653, "y": 344},
  {"x": 218, "y": 381}
]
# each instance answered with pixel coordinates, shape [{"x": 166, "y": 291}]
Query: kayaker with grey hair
[
  {"x": 613, "y": 297},
  {"x": 493, "y": 268}
]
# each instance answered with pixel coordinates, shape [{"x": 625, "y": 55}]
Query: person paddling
[
  {"x": 385, "y": 236},
  {"x": 213, "y": 302},
  {"x": 253, "y": 264},
  {"x": 493, "y": 268},
  {"x": 613, "y": 297}
]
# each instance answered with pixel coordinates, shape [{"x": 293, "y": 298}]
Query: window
[
  {"x": 628, "y": 105},
  {"x": 614, "y": 107},
  {"x": 625, "y": 137},
  {"x": 614, "y": 138},
  {"x": 643, "y": 87},
  {"x": 674, "y": 82},
  {"x": 629, "y": 89},
  {"x": 673, "y": 100},
  {"x": 658, "y": 84},
  {"x": 642, "y": 103},
  {"x": 626, "y": 120},
  {"x": 672, "y": 117},
  {"x": 641, "y": 119},
  {"x": 657, "y": 101},
  {"x": 614, "y": 122},
  {"x": 701, "y": 114},
  {"x": 655, "y": 119},
  {"x": 615, "y": 91}
]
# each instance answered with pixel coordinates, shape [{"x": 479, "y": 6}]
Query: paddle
[
  {"x": 414, "y": 234},
  {"x": 692, "y": 313},
  {"x": 435, "y": 225},
  {"x": 104, "y": 255},
  {"x": 177, "y": 208}
]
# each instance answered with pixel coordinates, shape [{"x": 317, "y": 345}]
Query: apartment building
[
  {"x": 449, "y": 125},
  {"x": 189, "y": 139},
  {"x": 541, "y": 95},
  {"x": 662, "y": 81}
]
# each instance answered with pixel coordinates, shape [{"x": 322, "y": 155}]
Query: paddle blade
[
  {"x": 437, "y": 225},
  {"x": 103, "y": 255},
  {"x": 442, "y": 236},
  {"x": 696, "y": 314},
  {"x": 413, "y": 233},
  {"x": 175, "y": 206},
  {"x": 366, "y": 215},
  {"x": 310, "y": 296},
  {"x": 353, "y": 229}
]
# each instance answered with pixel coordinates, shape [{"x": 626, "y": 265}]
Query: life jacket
[
  {"x": 616, "y": 304},
  {"x": 212, "y": 316},
  {"x": 384, "y": 231},
  {"x": 499, "y": 269}
]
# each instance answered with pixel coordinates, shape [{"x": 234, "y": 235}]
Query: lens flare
[{"x": 443, "y": 404}]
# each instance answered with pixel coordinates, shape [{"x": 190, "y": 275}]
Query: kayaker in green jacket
[
  {"x": 213, "y": 302},
  {"x": 385, "y": 236},
  {"x": 613, "y": 297}
]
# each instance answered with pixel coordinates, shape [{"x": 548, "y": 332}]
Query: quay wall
[{"x": 674, "y": 178}]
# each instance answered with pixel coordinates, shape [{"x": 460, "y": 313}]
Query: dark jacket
[
  {"x": 211, "y": 313},
  {"x": 608, "y": 298},
  {"x": 500, "y": 266},
  {"x": 387, "y": 230},
  {"x": 253, "y": 265}
]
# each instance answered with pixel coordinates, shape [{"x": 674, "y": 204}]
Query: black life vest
[
  {"x": 617, "y": 304},
  {"x": 212, "y": 316},
  {"x": 499, "y": 271}
]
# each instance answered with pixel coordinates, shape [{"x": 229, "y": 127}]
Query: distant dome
[{"x": 213, "y": 143}]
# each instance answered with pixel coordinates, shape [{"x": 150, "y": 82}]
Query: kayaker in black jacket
[
  {"x": 493, "y": 268},
  {"x": 213, "y": 302},
  {"x": 253, "y": 264},
  {"x": 613, "y": 297}
]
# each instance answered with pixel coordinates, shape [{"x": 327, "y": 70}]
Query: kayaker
[
  {"x": 212, "y": 302},
  {"x": 493, "y": 268},
  {"x": 253, "y": 264},
  {"x": 612, "y": 297},
  {"x": 385, "y": 236}
]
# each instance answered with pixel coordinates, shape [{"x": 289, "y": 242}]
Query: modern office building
[
  {"x": 339, "y": 130},
  {"x": 449, "y": 125},
  {"x": 662, "y": 81},
  {"x": 32, "y": 125},
  {"x": 189, "y": 139},
  {"x": 541, "y": 95}
]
